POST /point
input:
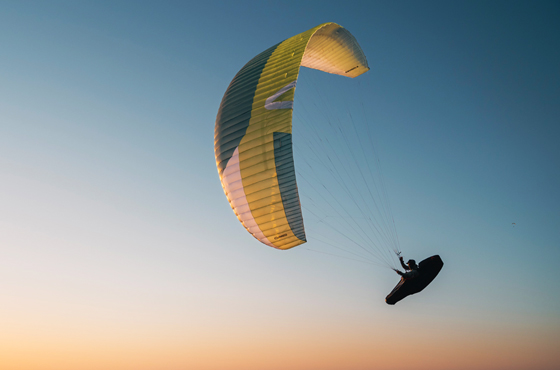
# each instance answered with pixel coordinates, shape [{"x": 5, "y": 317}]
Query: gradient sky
[{"x": 118, "y": 249}]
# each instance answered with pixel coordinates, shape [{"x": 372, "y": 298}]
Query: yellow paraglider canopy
[{"x": 252, "y": 139}]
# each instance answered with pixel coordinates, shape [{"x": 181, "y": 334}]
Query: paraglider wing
[
  {"x": 253, "y": 132},
  {"x": 428, "y": 270}
]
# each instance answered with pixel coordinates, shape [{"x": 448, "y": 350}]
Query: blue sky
[{"x": 114, "y": 222}]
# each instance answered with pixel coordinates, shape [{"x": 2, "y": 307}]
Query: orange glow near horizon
[{"x": 110, "y": 346}]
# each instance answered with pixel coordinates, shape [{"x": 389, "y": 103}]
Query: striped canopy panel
[{"x": 253, "y": 132}]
